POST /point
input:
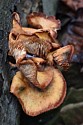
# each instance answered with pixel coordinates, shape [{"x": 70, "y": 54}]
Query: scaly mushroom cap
[{"x": 34, "y": 101}]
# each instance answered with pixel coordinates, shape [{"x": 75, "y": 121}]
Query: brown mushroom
[
  {"x": 37, "y": 43},
  {"x": 41, "y": 21},
  {"x": 61, "y": 56},
  {"x": 34, "y": 101},
  {"x": 21, "y": 40},
  {"x": 38, "y": 86},
  {"x": 32, "y": 74}
]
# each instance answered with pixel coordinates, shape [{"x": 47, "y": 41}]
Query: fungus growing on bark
[
  {"x": 34, "y": 101},
  {"x": 41, "y": 21},
  {"x": 63, "y": 55},
  {"x": 36, "y": 53}
]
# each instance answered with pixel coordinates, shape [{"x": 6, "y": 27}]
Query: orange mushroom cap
[{"x": 34, "y": 101}]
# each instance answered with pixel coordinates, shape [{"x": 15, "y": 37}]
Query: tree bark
[
  {"x": 50, "y": 7},
  {"x": 9, "y": 107}
]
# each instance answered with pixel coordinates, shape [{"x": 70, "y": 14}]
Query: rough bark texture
[
  {"x": 50, "y": 7},
  {"x": 9, "y": 111}
]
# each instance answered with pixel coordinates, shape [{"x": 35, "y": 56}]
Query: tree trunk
[
  {"x": 50, "y": 7},
  {"x": 9, "y": 107}
]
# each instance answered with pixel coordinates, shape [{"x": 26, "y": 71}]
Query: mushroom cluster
[{"x": 38, "y": 85}]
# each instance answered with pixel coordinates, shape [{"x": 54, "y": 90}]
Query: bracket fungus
[
  {"x": 35, "y": 102},
  {"x": 38, "y": 85}
]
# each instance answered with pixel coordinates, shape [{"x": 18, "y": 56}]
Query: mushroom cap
[
  {"x": 35, "y": 101},
  {"x": 63, "y": 55},
  {"x": 41, "y": 21},
  {"x": 45, "y": 77}
]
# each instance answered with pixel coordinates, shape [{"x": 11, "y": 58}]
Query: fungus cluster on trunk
[{"x": 38, "y": 85}]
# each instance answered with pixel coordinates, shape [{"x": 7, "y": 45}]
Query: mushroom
[
  {"x": 39, "y": 86},
  {"x": 34, "y": 101},
  {"x": 26, "y": 41},
  {"x": 31, "y": 73},
  {"x": 41, "y": 21},
  {"x": 61, "y": 56}
]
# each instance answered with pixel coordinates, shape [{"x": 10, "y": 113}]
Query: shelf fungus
[{"x": 38, "y": 85}]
